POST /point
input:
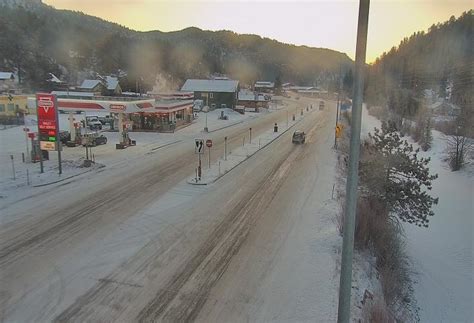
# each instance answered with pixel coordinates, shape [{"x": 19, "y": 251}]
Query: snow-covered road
[{"x": 259, "y": 244}]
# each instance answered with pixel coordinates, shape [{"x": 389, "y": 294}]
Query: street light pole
[{"x": 345, "y": 286}]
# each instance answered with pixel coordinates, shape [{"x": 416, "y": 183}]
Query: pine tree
[
  {"x": 427, "y": 137},
  {"x": 278, "y": 85},
  {"x": 394, "y": 172}
]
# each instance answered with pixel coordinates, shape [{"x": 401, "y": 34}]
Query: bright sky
[{"x": 316, "y": 23}]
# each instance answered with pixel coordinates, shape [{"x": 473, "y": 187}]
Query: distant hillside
[
  {"x": 71, "y": 44},
  {"x": 441, "y": 59}
]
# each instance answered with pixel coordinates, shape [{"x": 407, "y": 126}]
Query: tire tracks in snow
[{"x": 183, "y": 293}]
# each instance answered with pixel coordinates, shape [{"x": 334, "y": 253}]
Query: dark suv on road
[{"x": 299, "y": 137}]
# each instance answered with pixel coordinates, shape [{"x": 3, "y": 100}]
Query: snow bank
[{"x": 442, "y": 254}]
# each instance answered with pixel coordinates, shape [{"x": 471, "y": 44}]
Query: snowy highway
[{"x": 135, "y": 242}]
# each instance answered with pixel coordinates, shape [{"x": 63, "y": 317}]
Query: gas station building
[{"x": 161, "y": 114}]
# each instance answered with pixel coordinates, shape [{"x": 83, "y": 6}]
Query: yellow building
[{"x": 11, "y": 104}]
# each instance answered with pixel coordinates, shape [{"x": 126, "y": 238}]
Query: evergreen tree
[
  {"x": 427, "y": 137},
  {"x": 278, "y": 85},
  {"x": 347, "y": 82},
  {"x": 396, "y": 174}
]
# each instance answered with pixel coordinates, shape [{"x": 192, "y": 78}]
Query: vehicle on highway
[{"x": 299, "y": 137}]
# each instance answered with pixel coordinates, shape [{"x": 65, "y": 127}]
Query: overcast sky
[{"x": 329, "y": 24}]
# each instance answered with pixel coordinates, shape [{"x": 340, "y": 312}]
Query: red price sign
[{"x": 47, "y": 116}]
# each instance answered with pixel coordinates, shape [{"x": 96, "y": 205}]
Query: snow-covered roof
[
  {"x": 112, "y": 82},
  {"x": 302, "y": 88},
  {"x": 54, "y": 78},
  {"x": 265, "y": 84},
  {"x": 73, "y": 93},
  {"x": 193, "y": 85},
  {"x": 89, "y": 84},
  {"x": 246, "y": 96},
  {"x": 6, "y": 75}
]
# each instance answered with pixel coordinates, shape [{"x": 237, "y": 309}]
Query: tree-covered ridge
[
  {"x": 439, "y": 59},
  {"x": 70, "y": 44}
]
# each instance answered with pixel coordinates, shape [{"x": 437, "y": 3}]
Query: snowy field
[{"x": 442, "y": 253}]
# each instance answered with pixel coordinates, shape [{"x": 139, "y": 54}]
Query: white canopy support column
[
  {"x": 72, "y": 129},
  {"x": 120, "y": 126}
]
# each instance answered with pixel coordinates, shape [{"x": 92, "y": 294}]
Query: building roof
[
  {"x": 72, "y": 93},
  {"x": 177, "y": 95},
  {"x": 193, "y": 85},
  {"x": 246, "y": 96},
  {"x": 53, "y": 78},
  {"x": 6, "y": 75},
  {"x": 112, "y": 82},
  {"x": 90, "y": 84},
  {"x": 251, "y": 96},
  {"x": 265, "y": 84}
]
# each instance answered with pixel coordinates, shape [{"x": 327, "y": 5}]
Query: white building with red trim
[{"x": 141, "y": 113}]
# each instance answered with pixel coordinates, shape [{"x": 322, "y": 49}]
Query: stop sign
[
  {"x": 31, "y": 135},
  {"x": 209, "y": 143}
]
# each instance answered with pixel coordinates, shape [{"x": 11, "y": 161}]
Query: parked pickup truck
[{"x": 106, "y": 119}]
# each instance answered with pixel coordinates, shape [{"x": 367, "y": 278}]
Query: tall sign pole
[
  {"x": 48, "y": 126},
  {"x": 344, "y": 307}
]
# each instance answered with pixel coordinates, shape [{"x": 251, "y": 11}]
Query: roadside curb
[
  {"x": 65, "y": 178},
  {"x": 192, "y": 180}
]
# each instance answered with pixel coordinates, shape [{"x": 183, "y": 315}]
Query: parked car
[
  {"x": 94, "y": 125},
  {"x": 100, "y": 140},
  {"x": 299, "y": 137},
  {"x": 94, "y": 140},
  {"x": 64, "y": 136}
]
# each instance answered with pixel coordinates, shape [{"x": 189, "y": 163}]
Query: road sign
[
  {"x": 339, "y": 130},
  {"x": 199, "y": 146},
  {"x": 47, "y": 145},
  {"x": 31, "y": 135},
  {"x": 209, "y": 143}
]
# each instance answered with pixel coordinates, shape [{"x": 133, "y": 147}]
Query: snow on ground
[
  {"x": 13, "y": 142},
  {"x": 442, "y": 253},
  {"x": 211, "y": 173}
]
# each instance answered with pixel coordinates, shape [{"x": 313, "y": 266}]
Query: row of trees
[
  {"x": 433, "y": 60},
  {"x": 32, "y": 43}
]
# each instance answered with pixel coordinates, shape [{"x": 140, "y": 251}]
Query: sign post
[
  {"x": 209, "y": 145},
  {"x": 199, "y": 150},
  {"x": 225, "y": 148},
  {"x": 25, "y": 129},
  {"x": 48, "y": 127}
]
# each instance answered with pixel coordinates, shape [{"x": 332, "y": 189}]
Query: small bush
[{"x": 377, "y": 312}]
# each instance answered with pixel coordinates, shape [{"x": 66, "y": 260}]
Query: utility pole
[
  {"x": 345, "y": 286},
  {"x": 338, "y": 106},
  {"x": 337, "y": 119}
]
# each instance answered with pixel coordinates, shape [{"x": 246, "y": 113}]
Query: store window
[
  {"x": 11, "y": 107},
  {"x": 2, "y": 107}
]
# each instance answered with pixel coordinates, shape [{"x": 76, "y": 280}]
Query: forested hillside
[
  {"x": 72, "y": 44},
  {"x": 440, "y": 59}
]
